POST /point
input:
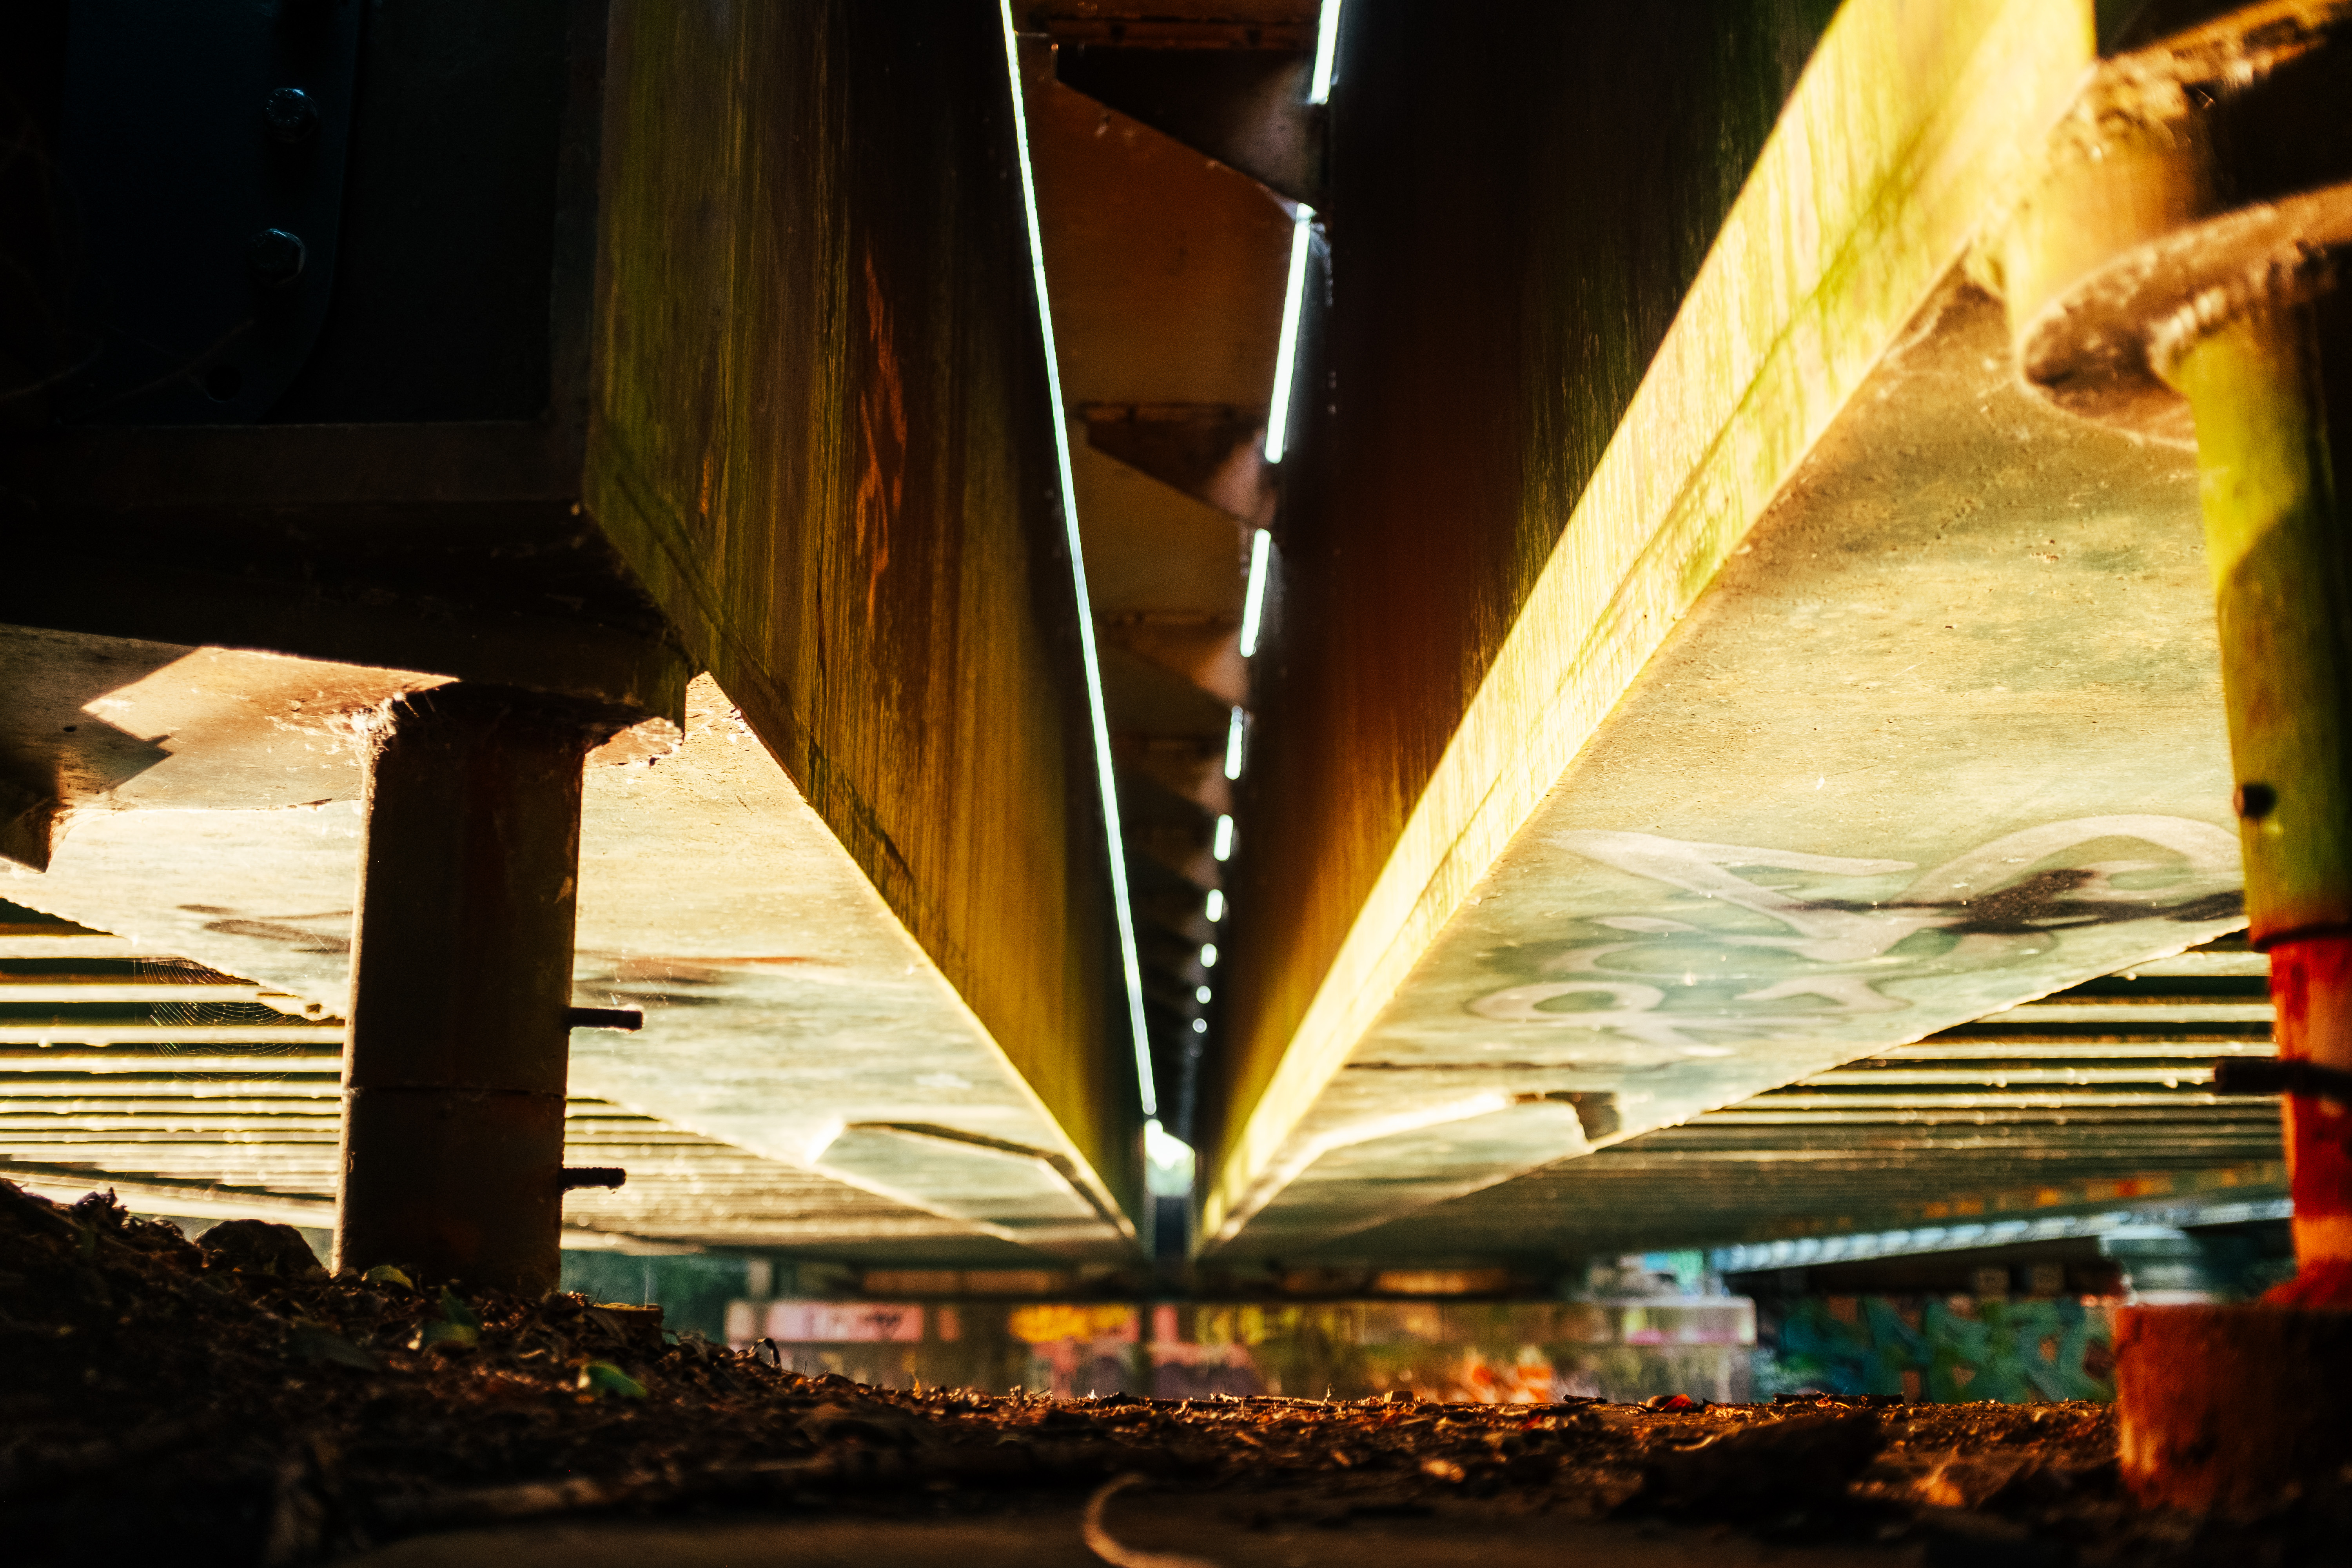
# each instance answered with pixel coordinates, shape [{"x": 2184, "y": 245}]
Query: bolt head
[
  {"x": 290, "y": 115},
  {"x": 275, "y": 258}
]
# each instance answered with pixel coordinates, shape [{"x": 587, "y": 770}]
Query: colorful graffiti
[
  {"x": 1939, "y": 1349},
  {"x": 1490, "y": 1352},
  {"x": 1942, "y": 1349}
]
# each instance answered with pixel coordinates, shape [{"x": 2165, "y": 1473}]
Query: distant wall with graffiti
[
  {"x": 1492, "y": 1352},
  {"x": 1940, "y": 1349}
]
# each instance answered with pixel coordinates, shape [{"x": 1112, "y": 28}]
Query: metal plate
[{"x": 176, "y": 167}]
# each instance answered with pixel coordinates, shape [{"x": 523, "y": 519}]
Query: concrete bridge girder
[
  {"x": 1856, "y": 693},
  {"x": 884, "y": 969}
]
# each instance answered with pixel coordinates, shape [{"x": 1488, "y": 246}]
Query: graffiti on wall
[
  {"x": 1945, "y": 1349},
  {"x": 1744, "y": 944}
]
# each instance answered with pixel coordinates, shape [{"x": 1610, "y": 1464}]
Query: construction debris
[{"x": 228, "y": 1402}]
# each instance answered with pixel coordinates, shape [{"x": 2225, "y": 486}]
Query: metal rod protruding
[
  {"x": 2259, "y": 1075},
  {"x": 578, "y": 1177},
  {"x": 629, "y": 1018}
]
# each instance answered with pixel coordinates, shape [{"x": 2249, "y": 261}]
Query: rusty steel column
[
  {"x": 2281, "y": 554},
  {"x": 2229, "y": 1409},
  {"x": 2170, "y": 268},
  {"x": 461, "y": 978}
]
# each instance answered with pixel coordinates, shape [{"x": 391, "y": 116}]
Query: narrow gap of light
[
  {"x": 1208, "y": 955},
  {"x": 1224, "y": 844},
  {"x": 1233, "y": 745},
  {"x": 1216, "y": 905},
  {"x": 1128, "y": 958},
  {"x": 1254, "y": 596},
  {"x": 1326, "y": 53},
  {"x": 1285, "y": 358},
  {"x": 1201, "y": 994}
]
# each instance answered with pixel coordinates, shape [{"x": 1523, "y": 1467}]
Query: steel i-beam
[
  {"x": 2172, "y": 256},
  {"x": 461, "y": 983}
]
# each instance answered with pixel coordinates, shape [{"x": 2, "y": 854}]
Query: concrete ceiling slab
[
  {"x": 1696, "y": 834},
  {"x": 2027, "y": 1112},
  {"x": 1166, "y": 272},
  {"x": 1167, "y": 267},
  {"x": 788, "y": 1013},
  {"x": 91, "y": 722},
  {"x": 1945, "y": 735},
  {"x": 1151, "y": 547}
]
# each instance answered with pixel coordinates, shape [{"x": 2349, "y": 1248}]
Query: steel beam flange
[
  {"x": 2179, "y": 193},
  {"x": 2108, "y": 349}
]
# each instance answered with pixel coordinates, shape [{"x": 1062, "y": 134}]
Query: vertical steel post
[
  {"x": 2223, "y": 1408},
  {"x": 2282, "y": 559},
  {"x": 461, "y": 973}
]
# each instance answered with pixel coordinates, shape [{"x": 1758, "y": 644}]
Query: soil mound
[{"x": 234, "y": 1404}]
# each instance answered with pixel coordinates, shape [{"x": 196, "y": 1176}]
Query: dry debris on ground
[{"x": 231, "y": 1403}]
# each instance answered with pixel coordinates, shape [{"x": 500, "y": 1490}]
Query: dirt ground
[{"x": 233, "y": 1404}]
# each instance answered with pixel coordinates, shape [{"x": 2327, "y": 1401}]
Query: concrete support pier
[{"x": 461, "y": 976}]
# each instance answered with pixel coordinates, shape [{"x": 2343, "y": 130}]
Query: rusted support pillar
[
  {"x": 2281, "y": 554},
  {"x": 2171, "y": 267},
  {"x": 2230, "y": 1409},
  {"x": 461, "y": 976}
]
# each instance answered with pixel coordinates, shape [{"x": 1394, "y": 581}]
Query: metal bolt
[
  {"x": 290, "y": 115},
  {"x": 2254, "y": 801},
  {"x": 275, "y": 258}
]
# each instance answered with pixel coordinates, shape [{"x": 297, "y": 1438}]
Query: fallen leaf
[{"x": 604, "y": 1377}]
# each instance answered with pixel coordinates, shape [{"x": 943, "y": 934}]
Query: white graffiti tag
[{"x": 1998, "y": 903}]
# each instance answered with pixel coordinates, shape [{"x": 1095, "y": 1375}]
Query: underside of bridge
[{"x": 1193, "y": 650}]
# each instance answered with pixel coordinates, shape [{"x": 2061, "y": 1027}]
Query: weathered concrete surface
[
  {"x": 118, "y": 724},
  {"x": 1946, "y": 736},
  {"x": 1166, "y": 269},
  {"x": 788, "y": 1011},
  {"x": 1661, "y": 866},
  {"x": 796, "y": 432},
  {"x": 1942, "y": 739},
  {"x": 1514, "y": 226},
  {"x": 821, "y": 436}
]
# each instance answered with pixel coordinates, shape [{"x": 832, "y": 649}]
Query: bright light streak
[
  {"x": 1166, "y": 1161},
  {"x": 1208, "y": 955},
  {"x": 1224, "y": 850},
  {"x": 1285, "y": 358},
  {"x": 1233, "y": 745},
  {"x": 1253, "y": 597},
  {"x": 1326, "y": 53},
  {"x": 1120, "y": 909},
  {"x": 1201, "y": 994},
  {"x": 1216, "y": 905}
]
